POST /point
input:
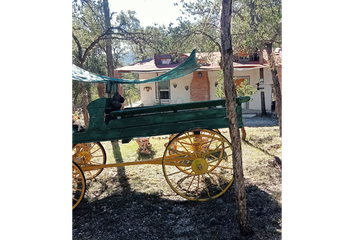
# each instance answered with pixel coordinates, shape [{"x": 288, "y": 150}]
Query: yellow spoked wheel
[
  {"x": 88, "y": 154},
  {"x": 204, "y": 164},
  {"x": 79, "y": 185}
]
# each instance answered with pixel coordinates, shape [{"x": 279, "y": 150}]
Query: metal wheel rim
[{"x": 79, "y": 185}]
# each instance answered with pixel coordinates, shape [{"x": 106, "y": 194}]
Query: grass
[{"x": 136, "y": 202}]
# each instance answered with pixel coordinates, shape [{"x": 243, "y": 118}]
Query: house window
[
  {"x": 164, "y": 89},
  {"x": 166, "y": 61},
  {"x": 244, "y": 58}
]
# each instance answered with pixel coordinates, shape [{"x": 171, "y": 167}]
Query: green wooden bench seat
[
  {"x": 173, "y": 107},
  {"x": 174, "y": 113}
]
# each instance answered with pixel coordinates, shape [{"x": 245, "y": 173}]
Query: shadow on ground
[{"x": 134, "y": 215}]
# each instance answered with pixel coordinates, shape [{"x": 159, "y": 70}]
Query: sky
[{"x": 149, "y": 11}]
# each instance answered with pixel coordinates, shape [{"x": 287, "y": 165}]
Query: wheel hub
[
  {"x": 84, "y": 157},
  {"x": 200, "y": 166}
]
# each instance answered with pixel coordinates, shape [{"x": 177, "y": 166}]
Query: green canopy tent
[{"x": 188, "y": 66}]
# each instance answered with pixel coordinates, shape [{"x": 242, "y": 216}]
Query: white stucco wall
[
  {"x": 180, "y": 91},
  {"x": 149, "y": 98},
  {"x": 213, "y": 77}
]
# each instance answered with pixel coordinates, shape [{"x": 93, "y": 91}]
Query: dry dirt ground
[{"x": 123, "y": 206}]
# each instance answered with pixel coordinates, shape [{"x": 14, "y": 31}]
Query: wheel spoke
[
  {"x": 178, "y": 172},
  {"x": 213, "y": 157},
  {"x": 221, "y": 177},
  {"x": 197, "y": 196},
  {"x": 217, "y": 183},
  {"x": 224, "y": 167},
  {"x": 190, "y": 183},
  {"x": 182, "y": 141},
  {"x": 181, "y": 154},
  {"x": 212, "y": 139},
  {"x": 77, "y": 182},
  {"x": 183, "y": 179},
  {"x": 214, "y": 160},
  {"x": 182, "y": 144},
  {"x": 206, "y": 186},
  {"x": 195, "y": 152}
]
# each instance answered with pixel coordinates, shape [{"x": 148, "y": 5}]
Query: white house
[{"x": 200, "y": 85}]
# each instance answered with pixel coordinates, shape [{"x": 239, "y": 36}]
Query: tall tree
[
  {"x": 278, "y": 95},
  {"x": 89, "y": 31},
  {"x": 230, "y": 95},
  {"x": 110, "y": 69},
  {"x": 107, "y": 18}
]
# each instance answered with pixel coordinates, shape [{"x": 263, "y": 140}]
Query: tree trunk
[
  {"x": 101, "y": 88},
  {"x": 130, "y": 98},
  {"x": 261, "y": 76},
  {"x": 88, "y": 90},
  {"x": 264, "y": 112},
  {"x": 84, "y": 99},
  {"x": 110, "y": 65},
  {"x": 84, "y": 104},
  {"x": 230, "y": 94},
  {"x": 261, "y": 59},
  {"x": 76, "y": 94},
  {"x": 273, "y": 69},
  {"x": 110, "y": 70}
]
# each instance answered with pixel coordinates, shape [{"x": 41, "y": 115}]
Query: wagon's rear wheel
[
  {"x": 204, "y": 164},
  {"x": 79, "y": 185},
  {"x": 88, "y": 154}
]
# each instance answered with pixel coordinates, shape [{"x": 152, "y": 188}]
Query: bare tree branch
[
  {"x": 79, "y": 48},
  {"x": 95, "y": 14},
  {"x": 211, "y": 38}
]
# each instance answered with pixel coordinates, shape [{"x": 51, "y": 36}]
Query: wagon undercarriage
[{"x": 197, "y": 164}]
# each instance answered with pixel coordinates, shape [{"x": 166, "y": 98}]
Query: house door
[{"x": 238, "y": 82}]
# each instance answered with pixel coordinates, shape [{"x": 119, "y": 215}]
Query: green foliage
[
  {"x": 133, "y": 89},
  {"x": 253, "y": 23},
  {"x": 244, "y": 89}
]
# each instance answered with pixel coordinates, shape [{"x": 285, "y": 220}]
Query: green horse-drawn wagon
[{"x": 197, "y": 162}]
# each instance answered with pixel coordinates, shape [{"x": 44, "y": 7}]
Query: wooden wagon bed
[{"x": 131, "y": 123}]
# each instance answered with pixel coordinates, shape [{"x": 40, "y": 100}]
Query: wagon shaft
[{"x": 174, "y": 160}]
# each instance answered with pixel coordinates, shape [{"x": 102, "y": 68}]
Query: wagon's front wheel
[
  {"x": 89, "y": 154},
  {"x": 204, "y": 164},
  {"x": 79, "y": 185}
]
